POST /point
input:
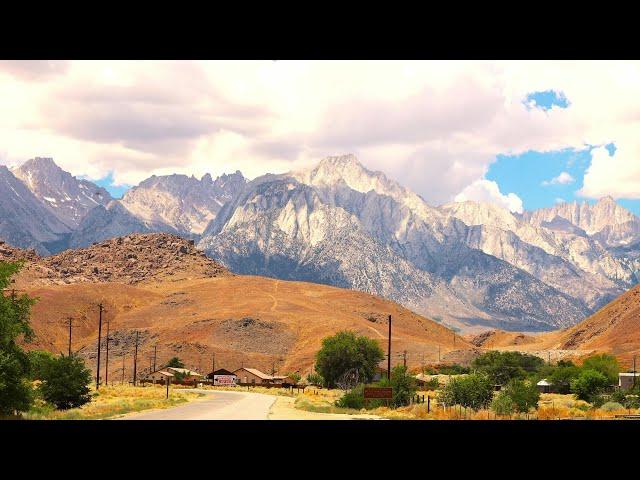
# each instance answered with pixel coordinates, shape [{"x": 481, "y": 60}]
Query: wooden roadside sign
[{"x": 378, "y": 393}]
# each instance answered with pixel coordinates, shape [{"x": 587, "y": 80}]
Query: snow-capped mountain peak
[{"x": 68, "y": 198}]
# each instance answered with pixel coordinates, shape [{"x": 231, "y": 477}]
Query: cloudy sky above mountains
[{"x": 521, "y": 134}]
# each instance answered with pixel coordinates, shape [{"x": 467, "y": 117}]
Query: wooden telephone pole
[
  {"x": 106, "y": 369},
  {"x": 100, "y": 307},
  {"x": 155, "y": 356},
  {"x": 389, "y": 352},
  {"x": 135, "y": 360},
  {"x": 70, "y": 320}
]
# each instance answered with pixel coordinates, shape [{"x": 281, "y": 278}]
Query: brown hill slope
[
  {"x": 614, "y": 328},
  {"x": 188, "y": 305}
]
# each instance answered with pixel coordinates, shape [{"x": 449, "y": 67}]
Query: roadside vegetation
[
  {"x": 497, "y": 385},
  {"x": 111, "y": 402}
]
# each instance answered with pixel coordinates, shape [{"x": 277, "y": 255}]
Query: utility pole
[
  {"x": 100, "y": 307},
  {"x": 155, "y": 356},
  {"x": 70, "y": 320},
  {"x": 548, "y": 357},
  {"x": 106, "y": 369},
  {"x": 438, "y": 353},
  {"x": 389, "y": 353},
  {"x": 135, "y": 360},
  {"x": 123, "y": 355},
  {"x": 634, "y": 371},
  {"x": 213, "y": 368},
  {"x": 404, "y": 359}
]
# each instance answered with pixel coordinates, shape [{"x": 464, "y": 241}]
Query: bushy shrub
[
  {"x": 612, "y": 406},
  {"x": 315, "y": 379},
  {"x": 474, "y": 391},
  {"x": 501, "y": 367},
  {"x": 403, "y": 385},
  {"x": 352, "y": 399},
  {"x": 65, "y": 382},
  {"x": 502, "y": 404},
  {"x": 432, "y": 384},
  {"x": 588, "y": 385},
  {"x": 523, "y": 394}
]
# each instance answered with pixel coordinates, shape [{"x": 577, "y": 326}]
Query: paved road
[{"x": 218, "y": 405}]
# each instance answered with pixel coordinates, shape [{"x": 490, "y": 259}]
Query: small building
[
  {"x": 544, "y": 386},
  {"x": 626, "y": 380},
  {"x": 252, "y": 376},
  {"x": 160, "y": 376},
  {"x": 223, "y": 377}
]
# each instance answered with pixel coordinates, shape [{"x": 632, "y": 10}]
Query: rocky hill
[{"x": 131, "y": 259}]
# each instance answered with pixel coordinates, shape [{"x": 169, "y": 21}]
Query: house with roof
[
  {"x": 627, "y": 380},
  {"x": 253, "y": 376},
  {"x": 160, "y": 376}
]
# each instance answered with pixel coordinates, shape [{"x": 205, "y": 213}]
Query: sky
[{"x": 521, "y": 134}]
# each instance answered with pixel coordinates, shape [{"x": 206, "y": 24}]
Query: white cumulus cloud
[
  {"x": 564, "y": 178},
  {"x": 488, "y": 191}
]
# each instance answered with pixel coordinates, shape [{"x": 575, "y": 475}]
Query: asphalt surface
[{"x": 218, "y": 405}]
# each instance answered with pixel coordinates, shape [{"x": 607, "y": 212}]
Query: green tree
[
  {"x": 523, "y": 393},
  {"x": 403, "y": 385},
  {"x": 175, "y": 362},
  {"x": 315, "y": 379},
  {"x": 345, "y": 351},
  {"x": 502, "y": 404},
  {"x": 38, "y": 361},
  {"x": 295, "y": 376},
  {"x": 474, "y": 391},
  {"x": 588, "y": 385},
  {"x": 15, "y": 392},
  {"x": 606, "y": 364},
  {"x": 501, "y": 367},
  {"x": 65, "y": 382},
  {"x": 562, "y": 375}
]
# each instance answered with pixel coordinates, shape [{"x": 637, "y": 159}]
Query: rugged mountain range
[{"x": 466, "y": 264}]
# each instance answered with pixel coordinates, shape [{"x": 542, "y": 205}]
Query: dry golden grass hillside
[{"x": 183, "y": 304}]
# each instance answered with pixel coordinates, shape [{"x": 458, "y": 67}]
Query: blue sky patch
[
  {"x": 116, "y": 191},
  {"x": 541, "y": 179},
  {"x": 547, "y": 99}
]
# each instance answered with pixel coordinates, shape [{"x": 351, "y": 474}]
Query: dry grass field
[{"x": 113, "y": 401}]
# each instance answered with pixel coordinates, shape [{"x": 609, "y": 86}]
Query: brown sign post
[{"x": 378, "y": 393}]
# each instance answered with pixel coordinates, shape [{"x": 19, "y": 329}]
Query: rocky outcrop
[{"x": 131, "y": 259}]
